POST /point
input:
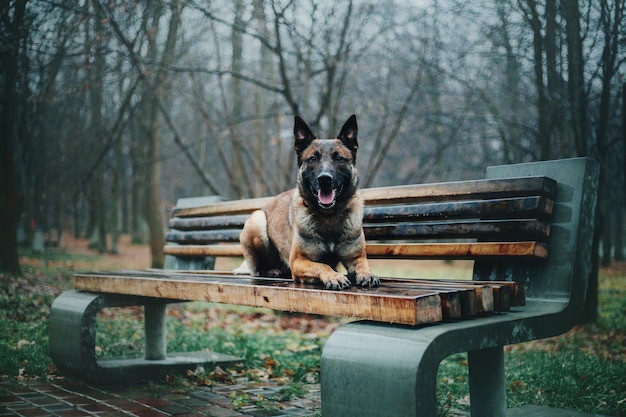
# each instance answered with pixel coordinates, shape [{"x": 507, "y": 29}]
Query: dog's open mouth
[{"x": 326, "y": 197}]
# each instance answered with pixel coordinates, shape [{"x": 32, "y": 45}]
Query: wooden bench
[{"x": 527, "y": 227}]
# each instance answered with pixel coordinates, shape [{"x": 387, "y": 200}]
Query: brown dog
[{"x": 307, "y": 231}]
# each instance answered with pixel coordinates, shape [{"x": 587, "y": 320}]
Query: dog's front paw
[
  {"x": 369, "y": 280},
  {"x": 336, "y": 282}
]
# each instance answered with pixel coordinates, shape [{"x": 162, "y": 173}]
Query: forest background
[{"x": 112, "y": 110}]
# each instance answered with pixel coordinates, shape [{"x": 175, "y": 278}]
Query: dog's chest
[{"x": 330, "y": 234}]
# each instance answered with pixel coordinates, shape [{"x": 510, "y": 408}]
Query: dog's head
[{"x": 327, "y": 175}]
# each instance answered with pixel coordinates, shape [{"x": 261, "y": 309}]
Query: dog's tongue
[{"x": 326, "y": 197}]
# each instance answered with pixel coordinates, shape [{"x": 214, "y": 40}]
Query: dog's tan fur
[{"x": 295, "y": 234}]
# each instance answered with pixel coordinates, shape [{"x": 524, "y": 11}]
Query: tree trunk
[
  {"x": 265, "y": 105},
  {"x": 155, "y": 218},
  {"x": 578, "y": 104},
  {"x": 554, "y": 119},
  {"x": 116, "y": 199},
  {"x": 9, "y": 260},
  {"x": 607, "y": 238},
  {"x": 576, "y": 76},
  {"x": 138, "y": 157},
  {"x": 513, "y": 135},
  {"x": 158, "y": 93},
  {"x": 96, "y": 74},
  {"x": 152, "y": 136},
  {"x": 97, "y": 238},
  {"x": 239, "y": 179},
  {"x": 543, "y": 105},
  {"x": 618, "y": 253},
  {"x": 619, "y": 244}
]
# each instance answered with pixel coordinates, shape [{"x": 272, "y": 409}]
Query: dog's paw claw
[
  {"x": 368, "y": 281},
  {"x": 338, "y": 283}
]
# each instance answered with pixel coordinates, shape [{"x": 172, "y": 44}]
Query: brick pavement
[
  {"x": 71, "y": 398},
  {"x": 67, "y": 398}
]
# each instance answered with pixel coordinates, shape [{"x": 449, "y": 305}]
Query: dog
[{"x": 305, "y": 232}]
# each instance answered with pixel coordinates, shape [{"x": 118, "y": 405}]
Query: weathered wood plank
[
  {"x": 470, "y": 250},
  {"x": 455, "y": 302},
  {"x": 479, "y": 297},
  {"x": 478, "y": 189},
  {"x": 232, "y": 250},
  {"x": 203, "y": 236},
  {"x": 413, "y": 307},
  {"x": 510, "y": 208},
  {"x": 467, "y": 250},
  {"x": 506, "y": 294},
  {"x": 235, "y": 221},
  {"x": 225, "y": 208},
  {"x": 489, "y": 230}
]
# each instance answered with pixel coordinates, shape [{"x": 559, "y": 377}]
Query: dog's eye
[
  {"x": 339, "y": 158},
  {"x": 313, "y": 158}
]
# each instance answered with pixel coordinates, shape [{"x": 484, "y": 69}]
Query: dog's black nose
[{"x": 325, "y": 180}]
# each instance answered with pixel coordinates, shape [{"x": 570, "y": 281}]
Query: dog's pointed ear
[
  {"x": 303, "y": 136},
  {"x": 348, "y": 135}
]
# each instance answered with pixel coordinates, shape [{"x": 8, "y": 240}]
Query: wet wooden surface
[
  {"x": 469, "y": 250},
  {"x": 509, "y": 208},
  {"x": 459, "y": 190},
  {"x": 411, "y": 302}
]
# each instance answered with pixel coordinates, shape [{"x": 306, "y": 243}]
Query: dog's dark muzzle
[{"x": 326, "y": 192}]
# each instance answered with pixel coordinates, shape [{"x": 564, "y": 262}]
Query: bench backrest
[{"x": 456, "y": 220}]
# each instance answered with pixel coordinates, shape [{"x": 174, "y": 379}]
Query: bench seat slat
[
  {"x": 412, "y": 302},
  {"x": 505, "y": 293},
  {"x": 412, "y": 307},
  {"x": 514, "y": 293},
  {"x": 490, "y": 296},
  {"x": 461, "y": 297},
  {"x": 471, "y": 250}
]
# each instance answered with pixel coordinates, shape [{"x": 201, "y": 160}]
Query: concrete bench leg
[
  {"x": 487, "y": 383},
  {"x": 155, "y": 332},
  {"x": 371, "y": 369},
  {"x": 72, "y": 336}
]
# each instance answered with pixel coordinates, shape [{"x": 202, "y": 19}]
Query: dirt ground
[{"x": 130, "y": 256}]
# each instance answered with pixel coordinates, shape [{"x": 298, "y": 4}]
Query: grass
[
  {"x": 274, "y": 345},
  {"x": 583, "y": 370}
]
